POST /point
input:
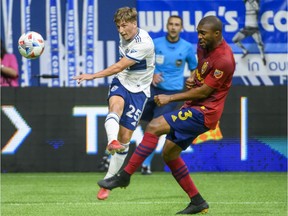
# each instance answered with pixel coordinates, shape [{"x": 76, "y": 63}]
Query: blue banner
[
  {"x": 72, "y": 41},
  {"x": 54, "y": 37},
  {"x": 25, "y": 27},
  {"x": 266, "y": 45},
  {"x": 262, "y": 61},
  {"x": 90, "y": 33},
  {"x": 7, "y": 6}
]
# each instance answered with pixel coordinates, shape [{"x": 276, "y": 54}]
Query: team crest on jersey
[
  {"x": 204, "y": 67},
  {"x": 114, "y": 88},
  {"x": 218, "y": 73},
  {"x": 198, "y": 75},
  {"x": 178, "y": 62}
]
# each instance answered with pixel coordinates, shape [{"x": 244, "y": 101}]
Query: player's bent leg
[
  {"x": 116, "y": 162},
  {"x": 122, "y": 179},
  {"x": 179, "y": 170}
]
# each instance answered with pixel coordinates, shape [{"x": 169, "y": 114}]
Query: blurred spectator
[{"x": 9, "y": 68}]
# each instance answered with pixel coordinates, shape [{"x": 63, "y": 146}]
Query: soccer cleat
[
  {"x": 195, "y": 209},
  {"x": 103, "y": 194},
  {"x": 121, "y": 179},
  {"x": 145, "y": 170},
  {"x": 115, "y": 146}
]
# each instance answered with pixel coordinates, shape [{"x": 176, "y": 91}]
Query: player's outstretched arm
[
  {"x": 113, "y": 69},
  {"x": 192, "y": 94},
  {"x": 83, "y": 77}
]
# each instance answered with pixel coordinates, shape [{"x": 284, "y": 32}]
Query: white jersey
[
  {"x": 251, "y": 16},
  {"x": 139, "y": 76}
]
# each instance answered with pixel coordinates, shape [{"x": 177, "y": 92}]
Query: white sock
[
  {"x": 117, "y": 161},
  {"x": 112, "y": 126}
]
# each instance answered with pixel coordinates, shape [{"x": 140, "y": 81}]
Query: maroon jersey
[{"x": 215, "y": 69}]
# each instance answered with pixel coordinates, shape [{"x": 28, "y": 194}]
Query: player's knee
[
  {"x": 235, "y": 40},
  {"x": 151, "y": 127},
  {"x": 158, "y": 126}
]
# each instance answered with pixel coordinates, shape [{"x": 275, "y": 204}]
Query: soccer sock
[
  {"x": 181, "y": 174},
  {"x": 112, "y": 126},
  {"x": 143, "y": 150},
  {"x": 197, "y": 199},
  {"x": 147, "y": 162},
  {"x": 116, "y": 162}
]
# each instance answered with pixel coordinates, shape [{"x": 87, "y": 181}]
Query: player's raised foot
[
  {"x": 103, "y": 194},
  {"x": 121, "y": 179},
  {"x": 264, "y": 61},
  {"x": 115, "y": 146},
  {"x": 245, "y": 53},
  {"x": 195, "y": 209}
]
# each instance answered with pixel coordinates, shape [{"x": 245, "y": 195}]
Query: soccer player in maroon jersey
[{"x": 204, "y": 100}]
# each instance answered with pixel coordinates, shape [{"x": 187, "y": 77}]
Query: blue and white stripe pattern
[
  {"x": 260, "y": 80},
  {"x": 25, "y": 27}
]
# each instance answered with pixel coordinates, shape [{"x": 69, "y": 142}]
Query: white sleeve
[{"x": 139, "y": 51}]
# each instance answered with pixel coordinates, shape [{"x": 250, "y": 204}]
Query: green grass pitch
[{"x": 74, "y": 194}]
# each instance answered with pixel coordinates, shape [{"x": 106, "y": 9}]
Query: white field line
[
  {"x": 136, "y": 203},
  {"x": 234, "y": 174}
]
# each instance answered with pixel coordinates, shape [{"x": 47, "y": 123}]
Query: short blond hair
[{"x": 125, "y": 14}]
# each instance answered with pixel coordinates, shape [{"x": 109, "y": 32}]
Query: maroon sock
[
  {"x": 181, "y": 174},
  {"x": 145, "y": 148}
]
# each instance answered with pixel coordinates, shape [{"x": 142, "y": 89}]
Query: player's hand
[
  {"x": 157, "y": 78},
  {"x": 190, "y": 82},
  {"x": 162, "y": 99},
  {"x": 83, "y": 77}
]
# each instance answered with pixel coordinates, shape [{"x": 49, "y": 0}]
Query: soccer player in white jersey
[
  {"x": 129, "y": 89},
  {"x": 250, "y": 29}
]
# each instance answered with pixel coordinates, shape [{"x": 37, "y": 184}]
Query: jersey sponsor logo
[
  {"x": 218, "y": 73},
  {"x": 114, "y": 88},
  {"x": 133, "y": 51},
  {"x": 204, "y": 67}
]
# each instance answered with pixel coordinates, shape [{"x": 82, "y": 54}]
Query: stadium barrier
[{"x": 62, "y": 129}]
